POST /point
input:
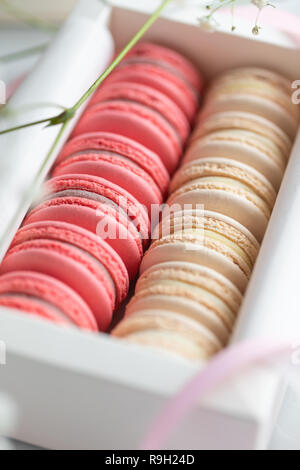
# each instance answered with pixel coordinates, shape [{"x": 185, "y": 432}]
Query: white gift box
[{"x": 80, "y": 390}]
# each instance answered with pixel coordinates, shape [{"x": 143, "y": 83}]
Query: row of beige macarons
[{"x": 195, "y": 273}]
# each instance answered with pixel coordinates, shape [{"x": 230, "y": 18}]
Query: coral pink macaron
[
  {"x": 101, "y": 207},
  {"x": 117, "y": 159},
  {"x": 68, "y": 255},
  {"x": 142, "y": 114},
  {"x": 147, "y": 96},
  {"x": 160, "y": 78},
  {"x": 86, "y": 241},
  {"x": 44, "y": 296},
  {"x": 114, "y": 144}
]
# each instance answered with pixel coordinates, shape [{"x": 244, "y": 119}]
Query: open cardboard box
[{"x": 79, "y": 390}]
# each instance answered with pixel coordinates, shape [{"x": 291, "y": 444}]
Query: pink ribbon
[{"x": 227, "y": 364}]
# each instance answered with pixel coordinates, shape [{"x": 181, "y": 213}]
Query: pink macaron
[
  {"x": 69, "y": 260},
  {"x": 169, "y": 59},
  {"x": 101, "y": 207},
  {"x": 83, "y": 239},
  {"x": 127, "y": 149},
  {"x": 44, "y": 296},
  {"x": 119, "y": 160},
  {"x": 142, "y": 114},
  {"x": 160, "y": 78},
  {"x": 149, "y": 97}
]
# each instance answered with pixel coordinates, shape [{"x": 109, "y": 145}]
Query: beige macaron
[
  {"x": 228, "y": 187},
  {"x": 256, "y": 91},
  {"x": 207, "y": 239},
  {"x": 169, "y": 332},
  {"x": 244, "y": 137},
  {"x": 192, "y": 290}
]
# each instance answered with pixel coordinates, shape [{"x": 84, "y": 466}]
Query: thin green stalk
[
  {"x": 23, "y": 53},
  {"x": 69, "y": 113},
  {"x": 26, "y": 17},
  {"x": 24, "y": 126}
]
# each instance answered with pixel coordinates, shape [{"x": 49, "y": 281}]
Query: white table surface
[{"x": 15, "y": 37}]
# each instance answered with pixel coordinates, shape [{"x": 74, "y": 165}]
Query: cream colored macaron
[
  {"x": 250, "y": 122},
  {"x": 228, "y": 187},
  {"x": 192, "y": 290},
  {"x": 244, "y": 137},
  {"x": 256, "y": 91},
  {"x": 207, "y": 239}
]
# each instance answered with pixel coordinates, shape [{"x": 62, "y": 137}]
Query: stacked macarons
[
  {"x": 78, "y": 249},
  {"x": 197, "y": 269}
]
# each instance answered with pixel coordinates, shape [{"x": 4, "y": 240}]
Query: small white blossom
[
  {"x": 207, "y": 24},
  {"x": 260, "y": 4}
]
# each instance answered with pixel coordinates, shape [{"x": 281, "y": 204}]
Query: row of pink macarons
[
  {"x": 77, "y": 251},
  {"x": 197, "y": 269}
]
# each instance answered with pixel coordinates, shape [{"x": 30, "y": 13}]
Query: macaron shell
[
  {"x": 169, "y": 58},
  {"x": 135, "y": 122},
  {"x": 125, "y": 174},
  {"x": 117, "y": 144},
  {"x": 45, "y": 296},
  {"x": 218, "y": 198},
  {"x": 250, "y": 122},
  {"x": 33, "y": 307},
  {"x": 69, "y": 266}
]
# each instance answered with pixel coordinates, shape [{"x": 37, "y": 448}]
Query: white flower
[
  {"x": 207, "y": 24},
  {"x": 260, "y": 4}
]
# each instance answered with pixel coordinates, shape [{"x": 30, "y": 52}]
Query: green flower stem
[
  {"x": 69, "y": 113},
  {"x": 23, "y": 53},
  {"x": 26, "y": 18},
  {"x": 24, "y": 126}
]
